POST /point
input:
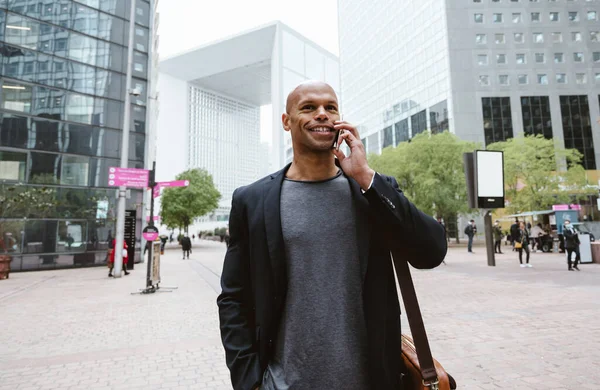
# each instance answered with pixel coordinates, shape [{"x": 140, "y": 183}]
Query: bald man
[{"x": 308, "y": 295}]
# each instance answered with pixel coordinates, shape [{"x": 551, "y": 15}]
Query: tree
[
  {"x": 538, "y": 174},
  {"x": 430, "y": 172},
  {"x": 181, "y": 205}
]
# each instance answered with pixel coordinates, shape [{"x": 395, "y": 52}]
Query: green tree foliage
[
  {"x": 532, "y": 180},
  {"x": 430, "y": 172},
  {"x": 20, "y": 201},
  {"x": 181, "y": 205}
]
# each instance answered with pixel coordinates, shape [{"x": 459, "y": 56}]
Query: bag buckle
[{"x": 435, "y": 385}]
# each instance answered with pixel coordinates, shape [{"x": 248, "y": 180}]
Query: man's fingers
[
  {"x": 346, "y": 126},
  {"x": 350, "y": 139},
  {"x": 339, "y": 154}
]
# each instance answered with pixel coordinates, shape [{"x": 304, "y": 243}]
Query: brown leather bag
[{"x": 423, "y": 372}]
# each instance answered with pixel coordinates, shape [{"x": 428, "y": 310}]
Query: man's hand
[{"x": 355, "y": 165}]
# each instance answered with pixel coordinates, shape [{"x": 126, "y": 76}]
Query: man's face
[{"x": 311, "y": 112}]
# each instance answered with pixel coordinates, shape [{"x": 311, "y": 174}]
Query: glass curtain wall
[{"x": 62, "y": 90}]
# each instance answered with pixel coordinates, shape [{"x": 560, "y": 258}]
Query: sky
[{"x": 186, "y": 24}]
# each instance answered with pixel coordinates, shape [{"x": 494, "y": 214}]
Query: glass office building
[
  {"x": 487, "y": 70},
  {"x": 62, "y": 82}
]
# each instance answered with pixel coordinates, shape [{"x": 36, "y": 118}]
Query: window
[
  {"x": 12, "y": 166},
  {"x": 516, "y": 17},
  {"x": 574, "y": 16},
  {"x": 594, "y": 36},
  {"x": 561, "y": 78},
  {"x": 542, "y": 79},
  {"x": 557, "y": 37},
  {"x": 534, "y": 1},
  {"x": 480, "y": 39},
  {"x": 576, "y": 36},
  {"x": 476, "y": 1},
  {"x": 521, "y": 59},
  {"x": 519, "y": 38},
  {"x": 438, "y": 117},
  {"x": 577, "y": 126},
  {"x": 578, "y": 57},
  {"x": 554, "y": 17},
  {"x": 535, "y": 17},
  {"x": 597, "y": 77},
  {"x": 501, "y": 58},
  {"x": 559, "y": 58},
  {"x": 503, "y": 79},
  {"x": 596, "y": 56},
  {"x": 478, "y": 18},
  {"x": 540, "y": 58},
  {"x": 580, "y": 78},
  {"x": 495, "y": 1},
  {"x": 497, "y": 119},
  {"x": 482, "y": 59},
  {"x": 418, "y": 123},
  {"x": 536, "y": 116},
  {"x": 401, "y": 130},
  {"x": 538, "y": 37},
  {"x": 484, "y": 80},
  {"x": 591, "y": 15},
  {"x": 16, "y": 96},
  {"x": 497, "y": 18},
  {"x": 523, "y": 79},
  {"x": 500, "y": 39}
]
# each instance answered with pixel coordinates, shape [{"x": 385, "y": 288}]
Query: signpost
[
  {"x": 128, "y": 177},
  {"x": 129, "y": 236}
]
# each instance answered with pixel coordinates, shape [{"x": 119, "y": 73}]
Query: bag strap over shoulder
[{"x": 415, "y": 320}]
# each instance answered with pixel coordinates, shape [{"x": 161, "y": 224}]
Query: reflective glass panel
[
  {"x": 16, "y": 96},
  {"x": 71, "y": 236},
  {"x": 13, "y": 165},
  {"x": 13, "y": 130}
]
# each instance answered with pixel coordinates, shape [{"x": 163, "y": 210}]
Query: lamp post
[{"x": 118, "y": 265}]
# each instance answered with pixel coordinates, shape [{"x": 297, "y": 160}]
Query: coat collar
[{"x": 274, "y": 235}]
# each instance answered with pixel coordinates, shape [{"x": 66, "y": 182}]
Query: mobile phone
[{"x": 335, "y": 140}]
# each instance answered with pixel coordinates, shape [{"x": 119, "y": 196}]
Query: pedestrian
[
  {"x": 522, "y": 244},
  {"x": 441, "y": 222},
  {"x": 571, "y": 245},
  {"x": 308, "y": 295},
  {"x": 111, "y": 259},
  {"x": 194, "y": 237},
  {"x": 536, "y": 236},
  {"x": 227, "y": 237},
  {"x": 497, "y": 237},
  {"x": 470, "y": 231},
  {"x": 514, "y": 231},
  {"x": 186, "y": 245},
  {"x": 171, "y": 238}
]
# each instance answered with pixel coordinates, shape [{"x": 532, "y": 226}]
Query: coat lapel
[{"x": 272, "y": 210}]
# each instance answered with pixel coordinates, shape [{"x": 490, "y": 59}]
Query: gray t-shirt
[{"x": 322, "y": 338}]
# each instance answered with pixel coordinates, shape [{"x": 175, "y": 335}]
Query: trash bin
[
  {"x": 596, "y": 252},
  {"x": 4, "y": 266}
]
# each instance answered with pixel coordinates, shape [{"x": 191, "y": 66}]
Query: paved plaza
[{"x": 504, "y": 327}]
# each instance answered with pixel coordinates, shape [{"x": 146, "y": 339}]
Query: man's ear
[{"x": 285, "y": 120}]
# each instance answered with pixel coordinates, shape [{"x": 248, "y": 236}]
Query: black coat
[
  {"x": 186, "y": 243},
  {"x": 571, "y": 238},
  {"x": 254, "y": 278}
]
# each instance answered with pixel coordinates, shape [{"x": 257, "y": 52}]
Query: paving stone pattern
[{"x": 502, "y": 327}]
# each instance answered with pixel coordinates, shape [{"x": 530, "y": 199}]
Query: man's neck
[{"x": 312, "y": 168}]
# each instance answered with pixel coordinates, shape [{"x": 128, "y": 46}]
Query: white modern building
[
  {"x": 487, "y": 70},
  {"x": 210, "y": 99}
]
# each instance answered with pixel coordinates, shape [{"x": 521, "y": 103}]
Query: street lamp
[{"x": 118, "y": 265}]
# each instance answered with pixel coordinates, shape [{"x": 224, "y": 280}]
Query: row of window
[
  {"x": 536, "y": 115},
  {"x": 23, "y": 132},
  {"x": 30, "y": 34},
  {"x": 78, "y": 17},
  {"x": 536, "y": 17},
  {"x": 531, "y": 1},
  {"x": 540, "y": 58},
  {"x": 52, "y": 71},
  {"x": 537, "y": 37},
  {"x": 542, "y": 79},
  {"x": 68, "y": 106}
]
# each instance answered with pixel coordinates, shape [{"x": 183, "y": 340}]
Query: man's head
[
  {"x": 472, "y": 222},
  {"x": 497, "y": 222},
  {"x": 567, "y": 221},
  {"x": 311, "y": 110}
]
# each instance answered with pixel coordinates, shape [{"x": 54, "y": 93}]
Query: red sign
[
  {"x": 176, "y": 183},
  {"x": 128, "y": 177}
]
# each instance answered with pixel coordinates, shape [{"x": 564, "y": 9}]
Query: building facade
[
  {"x": 62, "y": 82},
  {"x": 210, "y": 107},
  {"x": 487, "y": 70}
]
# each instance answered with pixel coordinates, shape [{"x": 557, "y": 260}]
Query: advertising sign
[
  {"x": 150, "y": 233},
  {"x": 155, "y": 270},
  {"x": 489, "y": 179}
]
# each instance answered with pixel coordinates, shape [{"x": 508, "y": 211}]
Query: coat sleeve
[
  {"x": 236, "y": 310},
  {"x": 408, "y": 229}
]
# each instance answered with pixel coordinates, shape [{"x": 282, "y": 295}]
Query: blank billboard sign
[{"x": 489, "y": 186}]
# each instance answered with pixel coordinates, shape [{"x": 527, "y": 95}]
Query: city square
[{"x": 502, "y": 327}]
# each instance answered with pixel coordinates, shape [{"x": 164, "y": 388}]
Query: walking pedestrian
[
  {"x": 522, "y": 244},
  {"x": 308, "y": 295},
  {"x": 571, "y": 245},
  {"x": 497, "y": 237},
  {"x": 111, "y": 259},
  {"x": 470, "y": 231},
  {"x": 186, "y": 245},
  {"x": 514, "y": 232}
]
